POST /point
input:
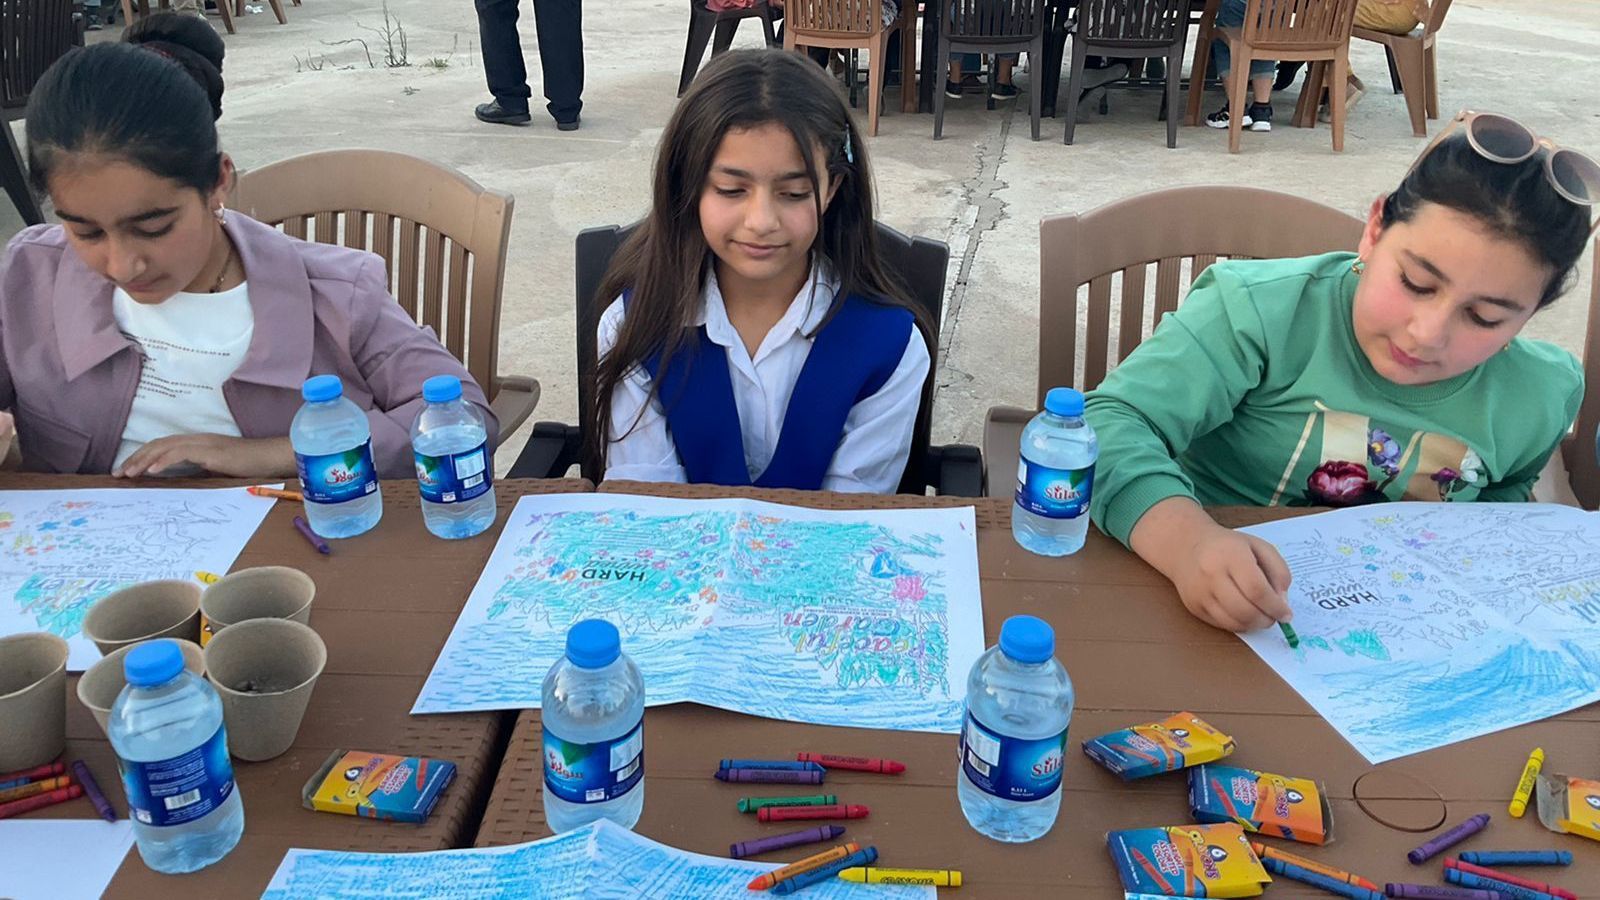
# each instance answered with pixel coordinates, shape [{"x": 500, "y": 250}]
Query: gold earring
[{"x": 1359, "y": 266}]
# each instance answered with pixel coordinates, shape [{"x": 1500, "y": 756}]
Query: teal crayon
[
  {"x": 866, "y": 856},
  {"x": 1289, "y": 635},
  {"x": 787, "y": 764},
  {"x": 1318, "y": 880},
  {"x": 1518, "y": 857}
]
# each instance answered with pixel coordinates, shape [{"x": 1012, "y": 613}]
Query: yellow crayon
[
  {"x": 874, "y": 875},
  {"x": 1530, "y": 774}
]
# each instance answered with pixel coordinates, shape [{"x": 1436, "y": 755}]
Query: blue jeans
[{"x": 1231, "y": 15}]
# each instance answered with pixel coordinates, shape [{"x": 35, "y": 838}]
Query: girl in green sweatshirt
[{"x": 1394, "y": 373}]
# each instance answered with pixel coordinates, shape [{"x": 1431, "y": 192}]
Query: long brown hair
[{"x": 663, "y": 262}]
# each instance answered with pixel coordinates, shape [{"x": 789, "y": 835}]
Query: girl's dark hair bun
[{"x": 190, "y": 42}]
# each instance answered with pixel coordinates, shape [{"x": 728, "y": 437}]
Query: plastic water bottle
[
  {"x": 1055, "y": 474},
  {"x": 593, "y": 716},
  {"x": 454, "y": 470},
  {"x": 166, "y": 727},
  {"x": 333, "y": 450},
  {"x": 1019, "y": 703}
]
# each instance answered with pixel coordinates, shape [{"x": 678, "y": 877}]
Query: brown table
[
  {"x": 1135, "y": 655},
  {"x": 385, "y": 603}
]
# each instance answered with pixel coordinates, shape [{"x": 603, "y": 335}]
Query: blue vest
[{"x": 851, "y": 359}]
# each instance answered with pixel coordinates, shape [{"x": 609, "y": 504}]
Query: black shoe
[
  {"x": 1286, "y": 75},
  {"x": 1004, "y": 91},
  {"x": 496, "y": 114},
  {"x": 1259, "y": 118},
  {"x": 1220, "y": 118},
  {"x": 952, "y": 89},
  {"x": 569, "y": 125},
  {"x": 91, "y": 21}
]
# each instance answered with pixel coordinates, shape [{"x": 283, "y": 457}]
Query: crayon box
[
  {"x": 1141, "y": 751},
  {"x": 1293, "y": 808},
  {"x": 378, "y": 785},
  {"x": 1188, "y": 861},
  {"x": 1570, "y": 805}
]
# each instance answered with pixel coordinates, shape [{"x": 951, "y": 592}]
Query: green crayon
[
  {"x": 751, "y": 804},
  {"x": 1289, "y": 635}
]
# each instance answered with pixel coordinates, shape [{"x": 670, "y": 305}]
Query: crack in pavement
[{"x": 983, "y": 211}]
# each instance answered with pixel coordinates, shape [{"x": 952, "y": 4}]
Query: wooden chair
[
  {"x": 953, "y": 469},
  {"x": 1580, "y": 449},
  {"x": 33, "y": 35},
  {"x": 992, "y": 26},
  {"x": 1130, "y": 28},
  {"x": 1314, "y": 31},
  {"x": 703, "y": 22},
  {"x": 857, "y": 25},
  {"x": 141, "y": 8},
  {"x": 442, "y": 235},
  {"x": 1414, "y": 64},
  {"x": 1178, "y": 231}
]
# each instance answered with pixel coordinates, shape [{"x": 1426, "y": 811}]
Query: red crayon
[
  {"x": 39, "y": 801},
  {"x": 790, "y": 813},
  {"x": 44, "y": 771},
  {"x": 1518, "y": 880},
  {"x": 853, "y": 763}
]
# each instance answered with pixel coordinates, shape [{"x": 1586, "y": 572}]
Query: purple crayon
[
  {"x": 771, "y": 776},
  {"x": 1449, "y": 839},
  {"x": 1438, "y": 892},
  {"x": 781, "y": 841}
]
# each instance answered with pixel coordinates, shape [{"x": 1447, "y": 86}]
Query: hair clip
[{"x": 849, "y": 150}]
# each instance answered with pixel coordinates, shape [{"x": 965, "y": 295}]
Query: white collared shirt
[{"x": 872, "y": 451}]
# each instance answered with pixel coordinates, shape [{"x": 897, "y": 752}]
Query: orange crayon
[
  {"x": 34, "y": 787},
  {"x": 277, "y": 493},
  {"x": 1266, "y": 852},
  {"x": 39, "y": 801},
  {"x": 766, "y": 881}
]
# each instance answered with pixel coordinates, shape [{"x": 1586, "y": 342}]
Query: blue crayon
[
  {"x": 1518, "y": 857},
  {"x": 866, "y": 856},
  {"x": 1318, "y": 880},
  {"x": 1153, "y": 897},
  {"x": 15, "y": 782},
  {"x": 1506, "y": 888},
  {"x": 788, "y": 764}
]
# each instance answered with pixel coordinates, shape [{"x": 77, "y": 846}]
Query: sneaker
[
  {"x": 1004, "y": 91},
  {"x": 952, "y": 89},
  {"x": 568, "y": 125},
  {"x": 496, "y": 114},
  {"x": 1220, "y": 119},
  {"x": 91, "y": 21},
  {"x": 1259, "y": 117}
]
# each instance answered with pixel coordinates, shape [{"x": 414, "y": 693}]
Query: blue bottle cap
[
  {"x": 441, "y": 389},
  {"x": 593, "y": 643},
  {"x": 1064, "y": 401},
  {"x": 153, "y": 663},
  {"x": 1027, "y": 639},
  {"x": 319, "y": 388}
]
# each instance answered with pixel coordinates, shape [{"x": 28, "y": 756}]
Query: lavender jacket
[{"x": 68, "y": 374}]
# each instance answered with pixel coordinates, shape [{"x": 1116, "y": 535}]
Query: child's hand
[
  {"x": 1233, "y": 580},
  {"x": 213, "y": 453}
]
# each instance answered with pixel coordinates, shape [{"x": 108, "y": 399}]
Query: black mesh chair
[
  {"x": 703, "y": 22},
  {"x": 991, "y": 26},
  {"x": 33, "y": 34},
  {"x": 1130, "y": 29},
  {"x": 953, "y": 469}
]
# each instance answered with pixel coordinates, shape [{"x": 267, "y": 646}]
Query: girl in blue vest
[{"x": 755, "y": 337}]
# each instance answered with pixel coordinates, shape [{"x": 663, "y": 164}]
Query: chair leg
[
  {"x": 1394, "y": 73},
  {"x": 943, "y": 67},
  {"x": 222, "y": 8},
  {"x": 1174, "y": 64},
  {"x": 277, "y": 10},
  {"x": 15, "y": 178},
  {"x": 1197, "y": 71},
  {"x": 1080, "y": 53},
  {"x": 994, "y": 79},
  {"x": 877, "y": 64},
  {"x": 1238, "y": 86},
  {"x": 1413, "y": 68},
  {"x": 908, "y": 57},
  {"x": 701, "y": 24},
  {"x": 1433, "y": 81},
  {"x": 1035, "y": 91},
  {"x": 723, "y": 35},
  {"x": 1336, "y": 110},
  {"x": 766, "y": 26}
]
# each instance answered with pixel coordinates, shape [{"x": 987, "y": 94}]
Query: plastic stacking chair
[
  {"x": 703, "y": 22},
  {"x": 858, "y": 25},
  {"x": 1414, "y": 64},
  {"x": 33, "y": 34},
  {"x": 1130, "y": 28},
  {"x": 992, "y": 26}
]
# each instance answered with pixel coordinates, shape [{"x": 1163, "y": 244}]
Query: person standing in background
[{"x": 560, "y": 28}]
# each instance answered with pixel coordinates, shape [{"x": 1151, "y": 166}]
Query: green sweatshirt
[{"x": 1255, "y": 393}]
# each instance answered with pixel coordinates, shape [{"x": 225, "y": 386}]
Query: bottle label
[
  {"x": 338, "y": 477},
  {"x": 181, "y": 789},
  {"x": 593, "y": 773},
  {"x": 1011, "y": 768},
  {"x": 454, "y": 477},
  {"x": 1053, "y": 493}
]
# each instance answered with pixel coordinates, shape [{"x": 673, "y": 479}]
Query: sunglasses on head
[{"x": 1502, "y": 139}]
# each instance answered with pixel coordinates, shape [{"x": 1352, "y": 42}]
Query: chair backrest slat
[
  {"x": 1298, "y": 24},
  {"x": 1079, "y": 254},
  {"x": 992, "y": 20},
  {"x": 1578, "y": 451},
  {"x": 446, "y": 265},
  {"x": 1436, "y": 14},
  {"x": 1136, "y": 22},
  {"x": 33, "y": 35}
]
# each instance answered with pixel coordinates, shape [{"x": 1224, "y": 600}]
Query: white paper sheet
[
  {"x": 60, "y": 859},
  {"x": 60, "y": 551},
  {"x": 601, "y": 861},
  {"x": 866, "y": 618},
  {"x": 1424, "y": 624}
]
